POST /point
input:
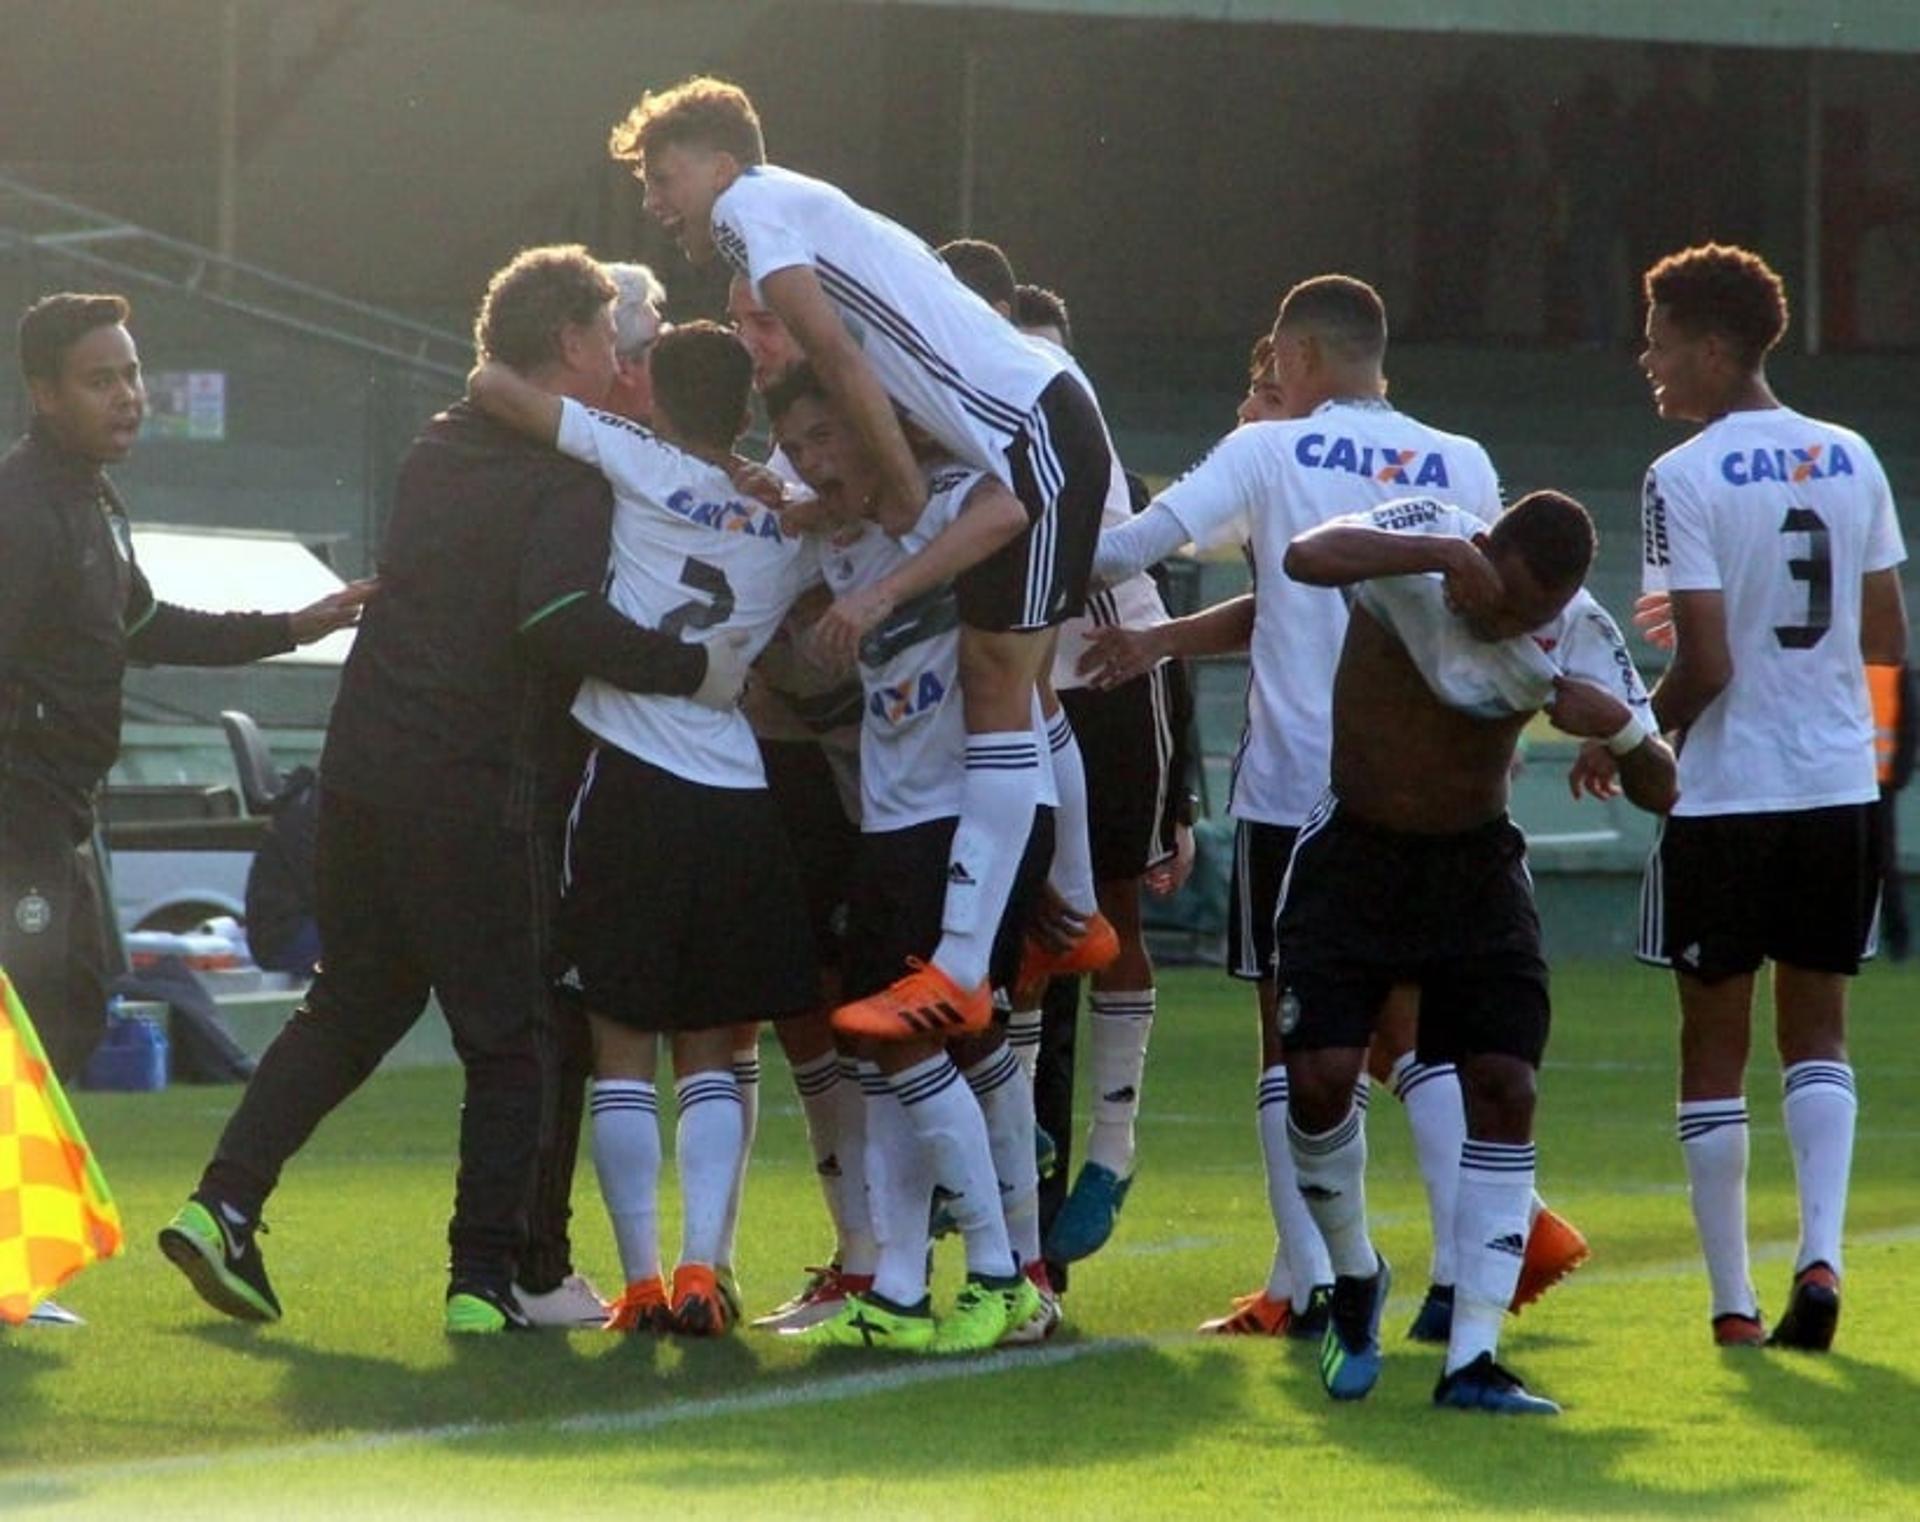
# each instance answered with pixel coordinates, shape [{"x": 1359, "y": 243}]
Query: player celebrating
[
  {"x": 1410, "y": 872},
  {"x": 1339, "y": 447},
  {"x": 886, "y": 325},
  {"x": 924, "y": 1125},
  {"x": 1775, "y": 538},
  {"x": 673, "y": 834}
]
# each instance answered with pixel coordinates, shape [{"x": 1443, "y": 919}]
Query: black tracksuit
[{"x": 74, "y": 610}]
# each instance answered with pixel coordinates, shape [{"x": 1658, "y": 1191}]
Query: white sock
[
  {"x": 1332, "y": 1170},
  {"x": 1821, "y": 1108},
  {"x": 1713, "y": 1139},
  {"x": 746, "y": 1074},
  {"x": 626, "y": 1156},
  {"x": 996, "y": 817},
  {"x": 1490, "y": 1243},
  {"x": 706, "y": 1153},
  {"x": 947, "y": 1119},
  {"x": 899, "y": 1174},
  {"x": 1071, "y": 874},
  {"x": 1430, "y": 1093},
  {"x": 1023, "y": 1037},
  {"x": 1299, "y": 1251},
  {"x": 1117, "y": 1035},
  {"x": 1006, "y": 1100},
  {"x": 858, "y": 1245}
]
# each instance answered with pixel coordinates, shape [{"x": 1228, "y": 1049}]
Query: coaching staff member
[
  {"x": 448, "y": 760},
  {"x": 74, "y": 610}
]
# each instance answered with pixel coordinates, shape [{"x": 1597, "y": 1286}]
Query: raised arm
[
  {"x": 508, "y": 397},
  {"x": 794, "y": 296}
]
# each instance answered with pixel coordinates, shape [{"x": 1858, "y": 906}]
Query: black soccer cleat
[
  {"x": 221, "y": 1259},
  {"x": 1485, "y": 1385},
  {"x": 1813, "y": 1311}
]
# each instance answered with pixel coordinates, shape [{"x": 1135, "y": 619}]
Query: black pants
[
  {"x": 1053, "y": 1100},
  {"x": 412, "y": 904},
  {"x": 52, "y": 934}
]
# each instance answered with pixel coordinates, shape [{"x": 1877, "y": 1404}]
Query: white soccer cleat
[
  {"x": 1045, "y": 1321},
  {"x": 573, "y": 1305},
  {"x": 822, "y": 1298},
  {"x": 50, "y": 1313}
]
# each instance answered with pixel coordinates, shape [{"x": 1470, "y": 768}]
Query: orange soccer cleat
[
  {"x": 1095, "y": 947},
  {"x": 641, "y": 1307},
  {"x": 699, "y": 1308},
  {"x": 1555, "y": 1248},
  {"x": 1252, "y": 1315},
  {"x": 925, "y": 1003}
]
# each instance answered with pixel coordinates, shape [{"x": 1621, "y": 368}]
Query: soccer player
[
  {"x": 924, "y": 1126},
  {"x": 1410, "y": 872},
  {"x": 444, "y": 784},
  {"x": 1339, "y": 447},
  {"x": 807, "y": 723},
  {"x": 1774, "y": 537},
  {"x": 1126, "y": 740},
  {"x": 885, "y": 325},
  {"x": 673, "y": 836}
]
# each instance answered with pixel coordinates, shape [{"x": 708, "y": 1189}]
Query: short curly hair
[
  {"x": 1718, "y": 288},
  {"x": 703, "y": 112},
  {"x": 54, "y": 324},
  {"x": 539, "y": 292}
]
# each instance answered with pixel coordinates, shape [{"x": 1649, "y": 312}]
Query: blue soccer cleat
[
  {"x": 1088, "y": 1217},
  {"x": 1484, "y": 1385},
  {"x": 1350, "y": 1352},
  {"x": 1434, "y": 1323}
]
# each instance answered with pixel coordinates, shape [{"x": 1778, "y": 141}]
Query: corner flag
[{"x": 56, "y": 1215}]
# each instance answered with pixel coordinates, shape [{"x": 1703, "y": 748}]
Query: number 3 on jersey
[
  {"x": 701, "y": 576},
  {"x": 1815, "y": 568}
]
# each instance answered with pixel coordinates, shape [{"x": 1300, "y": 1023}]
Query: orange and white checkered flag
[{"x": 56, "y": 1215}]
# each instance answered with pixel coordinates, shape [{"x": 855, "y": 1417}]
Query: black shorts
[
  {"x": 1363, "y": 909},
  {"x": 680, "y": 906},
  {"x": 1724, "y": 892},
  {"x": 1260, "y": 853},
  {"x": 1061, "y": 466},
  {"x": 899, "y": 894},
  {"x": 1126, "y": 743},
  {"x": 824, "y": 840}
]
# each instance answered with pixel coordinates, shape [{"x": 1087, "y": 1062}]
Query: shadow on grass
[
  {"x": 1846, "y": 1405},
  {"x": 1503, "y": 1464},
  {"x": 854, "y": 1418},
  {"x": 22, "y": 1368}
]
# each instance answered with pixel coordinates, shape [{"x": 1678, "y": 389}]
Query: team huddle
[{"x": 880, "y": 740}]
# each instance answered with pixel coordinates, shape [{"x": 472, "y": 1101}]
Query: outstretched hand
[{"x": 337, "y": 610}]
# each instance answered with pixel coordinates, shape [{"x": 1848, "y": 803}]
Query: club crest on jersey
[
  {"x": 731, "y": 516},
  {"x": 1396, "y": 467},
  {"x": 1817, "y": 462},
  {"x": 900, "y": 701}
]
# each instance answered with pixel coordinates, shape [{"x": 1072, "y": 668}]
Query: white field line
[{"x": 21, "y": 1488}]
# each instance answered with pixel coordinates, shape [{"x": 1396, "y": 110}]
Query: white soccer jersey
[
  {"x": 1492, "y": 679},
  {"x": 690, "y": 558},
  {"x": 956, "y": 366},
  {"x": 1782, "y": 515},
  {"x": 913, "y": 733},
  {"x": 1130, "y": 604},
  {"x": 1263, "y": 485}
]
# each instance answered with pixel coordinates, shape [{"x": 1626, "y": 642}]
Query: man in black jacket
[
  {"x": 448, "y": 764},
  {"x": 74, "y": 610}
]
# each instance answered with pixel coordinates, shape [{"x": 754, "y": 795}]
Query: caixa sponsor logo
[
  {"x": 897, "y": 702},
  {"x": 1817, "y": 462},
  {"x": 1395, "y": 467}
]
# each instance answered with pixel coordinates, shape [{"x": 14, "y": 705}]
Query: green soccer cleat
[
  {"x": 867, "y": 1321},
  {"x": 984, "y": 1312},
  {"x": 221, "y": 1260},
  {"x": 476, "y": 1310}
]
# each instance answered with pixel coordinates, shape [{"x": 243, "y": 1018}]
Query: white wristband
[{"x": 1628, "y": 736}]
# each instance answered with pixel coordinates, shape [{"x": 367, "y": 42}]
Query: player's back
[
  {"x": 954, "y": 364},
  {"x": 692, "y": 558},
  {"x": 1783, "y": 515},
  {"x": 1262, "y": 486}
]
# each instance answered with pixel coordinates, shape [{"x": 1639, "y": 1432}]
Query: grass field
[{"x": 357, "y": 1405}]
